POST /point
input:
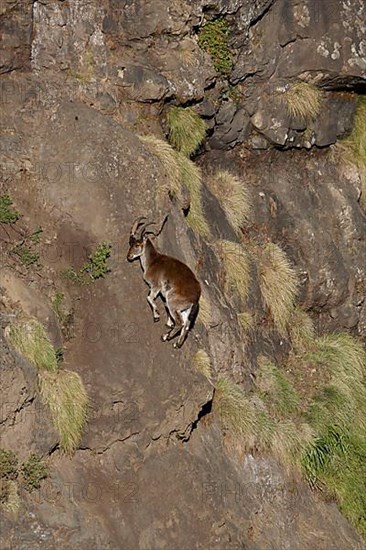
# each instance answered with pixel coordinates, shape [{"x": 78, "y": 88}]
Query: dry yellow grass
[
  {"x": 12, "y": 503},
  {"x": 202, "y": 363},
  {"x": 204, "y": 313},
  {"x": 246, "y": 322},
  {"x": 30, "y": 339},
  {"x": 235, "y": 265},
  {"x": 301, "y": 330},
  {"x": 278, "y": 283},
  {"x": 233, "y": 196},
  {"x": 187, "y": 130},
  {"x": 181, "y": 172},
  {"x": 303, "y": 100},
  {"x": 66, "y": 397}
]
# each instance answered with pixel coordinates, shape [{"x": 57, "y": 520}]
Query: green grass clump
[
  {"x": 26, "y": 255},
  {"x": 353, "y": 148},
  {"x": 30, "y": 339},
  {"x": 182, "y": 174},
  {"x": 275, "y": 388},
  {"x": 303, "y": 100},
  {"x": 213, "y": 38},
  {"x": 235, "y": 266},
  {"x": 8, "y": 464},
  {"x": 34, "y": 470},
  {"x": 95, "y": 268},
  {"x": 66, "y": 397},
  {"x": 186, "y": 129},
  {"x": 233, "y": 196},
  {"x": 278, "y": 283},
  {"x": 7, "y": 213}
]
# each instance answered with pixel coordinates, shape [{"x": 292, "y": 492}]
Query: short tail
[{"x": 193, "y": 313}]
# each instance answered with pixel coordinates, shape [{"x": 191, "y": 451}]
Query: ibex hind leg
[
  {"x": 186, "y": 318},
  {"x": 176, "y": 327}
]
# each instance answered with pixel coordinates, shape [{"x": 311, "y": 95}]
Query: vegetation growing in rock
[
  {"x": 8, "y": 464},
  {"x": 182, "y": 174},
  {"x": 324, "y": 433},
  {"x": 187, "y": 130},
  {"x": 26, "y": 255},
  {"x": 303, "y": 100},
  {"x": 233, "y": 196},
  {"x": 204, "y": 313},
  {"x": 236, "y": 268},
  {"x": 63, "y": 391},
  {"x": 7, "y": 213},
  {"x": 34, "y": 470},
  {"x": 213, "y": 38},
  {"x": 202, "y": 363},
  {"x": 95, "y": 268},
  {"x": 353, "y": 148},
  {"x": 278, "y": 283},
  {"x": 12, "y": 500},
  {"x": 66, "y": 397}
]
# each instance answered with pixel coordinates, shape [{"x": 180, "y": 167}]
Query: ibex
[{"x": 166, "y": 276}]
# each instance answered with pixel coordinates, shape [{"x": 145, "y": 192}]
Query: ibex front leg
[{"x": 153, "y": 294}]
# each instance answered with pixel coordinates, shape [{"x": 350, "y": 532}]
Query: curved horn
[
  {"x": 136, "y": 224},
  {"x": 160, "y": 230}
]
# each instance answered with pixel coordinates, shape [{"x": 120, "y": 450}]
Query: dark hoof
[
  {"x": 176, "y": 345},
  {"x": 163, "y": 337},
  {"x": 156, "y": 319}
]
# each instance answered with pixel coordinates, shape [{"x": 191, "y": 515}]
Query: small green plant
[
  {"x": 26, "y": 255},
  {"x": 59, "y": 352},
  {"x": 34, "y": 470},
  {"x": 64, "y": 315},
  {"x": 303, "y": 100},
  {"x": 187, "y": 130},
  {"x": 278, "y": 283},
  {"x": 233, "y": 196},
  {"x": 95, "y": 268},
  {"x": 7, "y": 213},
  {"x": 8, "y": 464},
  {"x": 236, "y": 268},
  {"x": 213, "y": 38},
  {"x": 36, "y": 235}
]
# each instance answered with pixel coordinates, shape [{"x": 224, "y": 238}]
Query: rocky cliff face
[{"x": 81, "y": 81}]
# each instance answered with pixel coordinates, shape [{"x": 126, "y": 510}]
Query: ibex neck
[{"x": 149, "y": 254}]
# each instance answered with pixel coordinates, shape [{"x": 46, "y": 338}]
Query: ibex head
[{"x": 139, "y": 236}]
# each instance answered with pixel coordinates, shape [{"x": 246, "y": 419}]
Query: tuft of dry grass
[
  {"x": 303, "y": 100},
  {"x": 204, "y": 313},
  {"x": 202, "y": 363},
  {"x": 301, "y": 330},
  {"x": 246, "y": 322},
  {"x": 233, "y": 196},
  {"x": 181, "y": 173},
  {"x": 168, "y": 158},
  {"x": 192, "y": 179},
  {"x": 278, "y": 283},
  {"x": 187, "y": 130},
  {"x": 12, "y": 503},
  {"x": 235, "y": 411},
  {"x": 66, "y": 397},
  {"x": 235, "y": 266},
  {"x": 30, "y": 339}
]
